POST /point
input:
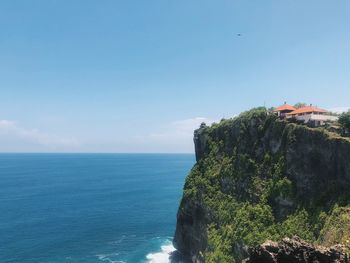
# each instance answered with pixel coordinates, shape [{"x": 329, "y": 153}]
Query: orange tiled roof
[
  {"x": 285, "y": 107},
  {"x": 307, "y": 109}
]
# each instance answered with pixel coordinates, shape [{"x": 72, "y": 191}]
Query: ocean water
[{"x": 89, "y": 207}]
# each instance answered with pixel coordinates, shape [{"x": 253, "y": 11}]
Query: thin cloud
[
  {"x": 339, "y": 109},
  {"x": 182, "y": 128},
  {"x": 12, "y": 131},
  {"x": 176, "y": 136}
]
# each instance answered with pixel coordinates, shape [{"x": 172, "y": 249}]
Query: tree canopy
[
  {"x": 344, "y": 121},
  {"x": 299, "y": 105}
]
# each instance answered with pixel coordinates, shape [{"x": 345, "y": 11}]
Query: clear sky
[{"x": 139, "y": 76}]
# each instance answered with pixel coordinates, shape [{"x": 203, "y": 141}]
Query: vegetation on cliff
[
  {"x": 344, "y": 121},
  {"x": 259, "y": 178}
]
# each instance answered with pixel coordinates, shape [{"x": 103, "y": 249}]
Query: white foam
[
  {"x": 162, "y": 256},
  {"x": 106, "y": 258}
]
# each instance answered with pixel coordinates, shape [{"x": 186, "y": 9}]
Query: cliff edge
[{"x": 259, "y": 178}]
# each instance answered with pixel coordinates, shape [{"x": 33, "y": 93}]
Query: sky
[{"x": 140, "y": 76}]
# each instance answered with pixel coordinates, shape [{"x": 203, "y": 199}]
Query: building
[
  {"x": 283, "y": 110},
  {"x": 312, "y": 116}
]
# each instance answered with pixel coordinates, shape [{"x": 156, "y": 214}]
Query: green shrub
[
  {"x": 344, "y": 121},
  {"x": 337, "y": 227}
]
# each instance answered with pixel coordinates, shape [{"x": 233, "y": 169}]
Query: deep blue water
[{"x": 88, "y": 207}]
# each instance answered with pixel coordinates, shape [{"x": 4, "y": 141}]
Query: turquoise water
[{"x": 89, "y": 207}]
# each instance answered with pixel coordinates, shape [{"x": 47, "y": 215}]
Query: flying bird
[{"x": 239, "y": 34}]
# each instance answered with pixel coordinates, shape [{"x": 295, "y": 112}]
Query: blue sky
[{"x": 139, "y": 76}]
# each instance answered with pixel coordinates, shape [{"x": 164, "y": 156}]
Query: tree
[
  {"x": 299, "y": 105},
  {"x": 344, "y": 121},
  {"x": 203, "y": 125}
]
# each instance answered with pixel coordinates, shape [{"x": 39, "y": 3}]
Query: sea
[{"x": 116, "y": 208}]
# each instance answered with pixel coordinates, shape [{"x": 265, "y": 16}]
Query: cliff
[
  {"x": 296, "y": 250},
  {"x": 259, "y": 178}
]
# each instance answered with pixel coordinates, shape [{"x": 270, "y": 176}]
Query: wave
[
  {"x": 162, "y": 256},
  {"x": 107, "y": 258}
]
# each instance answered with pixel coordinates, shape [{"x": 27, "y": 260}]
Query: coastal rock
[
  {"x": 191, "y": 232},
  {"x": 296, "y": 250}
]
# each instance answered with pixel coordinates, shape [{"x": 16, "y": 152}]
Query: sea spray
[{"x": 162, "y": 256}]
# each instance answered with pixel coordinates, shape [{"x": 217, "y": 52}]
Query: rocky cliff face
[
  {"x": 259, "y": 178},
  {"x": 296, "y": 250}
]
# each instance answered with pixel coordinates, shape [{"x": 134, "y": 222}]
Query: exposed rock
[
  {"x": 200, "y": 141},
  {"x": 191, "y": 233},
  {"x": 177, "y": 257},
  {"x": 296, "y": 250}
]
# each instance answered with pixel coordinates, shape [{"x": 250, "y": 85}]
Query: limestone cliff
[
  {"x": 259, "y": 178},
  {"x": 296, "y": 250}
]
